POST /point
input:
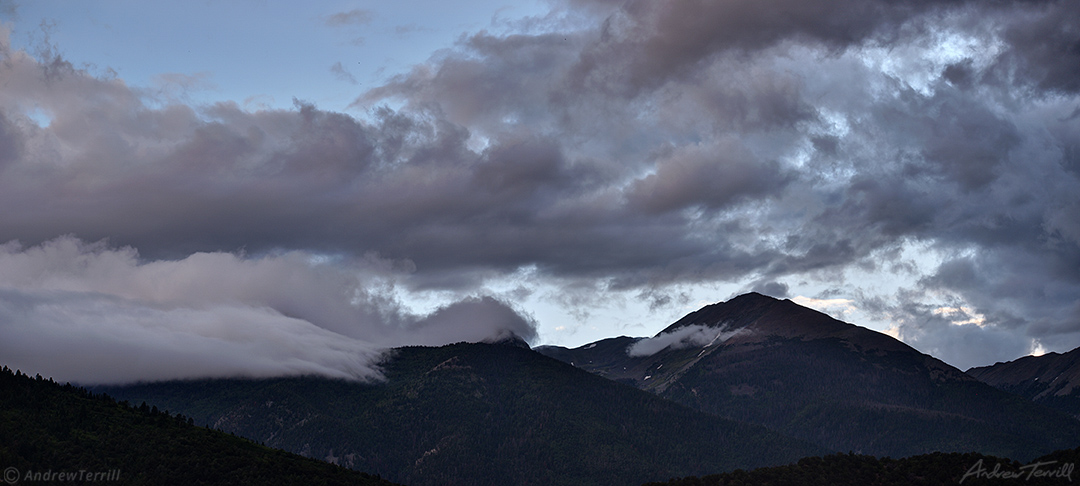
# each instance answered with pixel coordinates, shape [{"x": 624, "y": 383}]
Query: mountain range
[
  {"x": 800, "y": 372},
  {"x": 1052, "y": 379},
  {"x": 478, "y": 414},
  {"x": 754, "y": 381}
]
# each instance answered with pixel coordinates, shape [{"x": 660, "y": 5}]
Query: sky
[{"x": 261, "y": 188}]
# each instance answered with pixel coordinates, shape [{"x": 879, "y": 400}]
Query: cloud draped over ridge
[
  {"x": 681, "y": 338},
  {"x": 634, "y": 145},
  {"x": 93, "y": 314}
]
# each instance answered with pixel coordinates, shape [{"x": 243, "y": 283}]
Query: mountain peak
[
  {"x": 509, "y": 339},
  {"x": 754, "y": 296},
  {"x": 765, "y": 317},
  {"x": 748, "y": 310},
  {"x": 779, "y": 364}
]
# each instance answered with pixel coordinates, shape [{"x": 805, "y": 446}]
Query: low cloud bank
[
  {"x": 684, "y": 337},
  {"x": 88, "y": 313}
]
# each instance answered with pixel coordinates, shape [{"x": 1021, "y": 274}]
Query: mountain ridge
[
  {"x": 68, "y": 443},
  {"x": 803, "y": 373},
  {"x": 479, "y": 413},
  {"x": 1052, "y": 379},
  {"x": 73, "y": 434}
]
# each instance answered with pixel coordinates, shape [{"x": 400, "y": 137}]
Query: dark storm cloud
[
  {"x": 11, "y": 142},
  {"x": 778, "y": 290},
  {"x": 712, "y": 177},
  {"x": 176, "y": 180},
  {"x": 1044, "y": 47},
  {"x": 934, "y": 330},
  {"x": 663, "y": 144},
  {"x": 644, "y": 44}
]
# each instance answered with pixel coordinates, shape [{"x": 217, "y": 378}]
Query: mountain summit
[
  {"x": 763, "y": 317},
  {"x": 748, "y": 322},
  {"x": 800, "y": 372}
]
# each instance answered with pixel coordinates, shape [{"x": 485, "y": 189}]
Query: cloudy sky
[{"x": 259, "y": 187}]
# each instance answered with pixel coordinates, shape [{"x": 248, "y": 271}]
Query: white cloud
[
  {"x": 961, "y": 316},
  {"x": 89, "y": 313},
  {"x": 684, "y": 337},
  {"x": 834, "y": 307},
  {"x": 97, "y": 339}
]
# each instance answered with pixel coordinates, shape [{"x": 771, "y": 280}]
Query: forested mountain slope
[
  {"x": 1052, "y": 379},
  {"x": 479, "y": 414},
  {"x": 47, "y": 428}
]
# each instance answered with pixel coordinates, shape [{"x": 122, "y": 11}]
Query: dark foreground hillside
[
  {"x": 937, "y": 469},
  {"x": 48, "y": 430},
  {"x": 479, "y": 414}
]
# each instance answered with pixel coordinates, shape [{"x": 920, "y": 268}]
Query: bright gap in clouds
[
  {"x": 39, "y": 116},
  {"x": 919, "y": 65}
]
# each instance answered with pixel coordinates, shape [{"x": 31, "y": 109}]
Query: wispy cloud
[
  {"x": 352, "y": 17},
  {"x": 684, "y": 337},
  {"x": 341, "y": 73}
]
